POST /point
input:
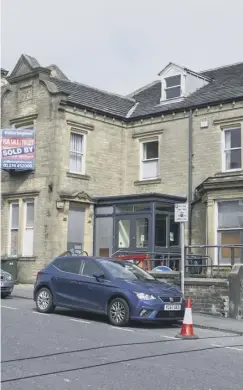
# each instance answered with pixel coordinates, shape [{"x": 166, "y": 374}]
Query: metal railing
[
  {"x": 235, "y": 253},
  {"x": 169, "y": 259},
  {"x": 200, "y": 260}
]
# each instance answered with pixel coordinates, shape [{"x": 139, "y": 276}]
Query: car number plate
[
  {"x": 2, "y": 284},
  {"x": 172, "y": 307}
]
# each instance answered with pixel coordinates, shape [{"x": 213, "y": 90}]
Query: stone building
[{"x": 109, "y": 168}]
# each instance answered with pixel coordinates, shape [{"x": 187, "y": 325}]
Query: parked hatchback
[{"x": 119, "y": 289}]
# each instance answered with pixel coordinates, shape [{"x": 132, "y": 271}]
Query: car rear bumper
[{"x": 6, "y": 286}]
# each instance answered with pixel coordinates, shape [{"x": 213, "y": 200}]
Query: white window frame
[
  {"x": 174, "y": 86},
  {"x": 218, "y": 230},
  {"x": 11, "y": 203},
  {"x": 28, "y": 232},
  {"x": 142, "y": 160},
  {"x": 83, "y": 153},
  {"x": 224, "y": 150}
]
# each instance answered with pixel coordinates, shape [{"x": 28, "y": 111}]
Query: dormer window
[
  {"x": 178, "y": 82},
  {"x": 173, "y": 87}
]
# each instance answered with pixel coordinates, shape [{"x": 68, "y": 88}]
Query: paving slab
[{"x": 219, "y": 323}]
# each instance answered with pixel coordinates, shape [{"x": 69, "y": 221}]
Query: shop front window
[
  {"x": 130, "y": 208},
  {"x": 124, "y": 233},
  {"x": 161, "y": 230},
  {"x": 174, "y": 232},
  {"x": 142, "y": 229}
]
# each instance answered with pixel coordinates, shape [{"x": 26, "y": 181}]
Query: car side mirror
[{"x": 98, "y": 277}]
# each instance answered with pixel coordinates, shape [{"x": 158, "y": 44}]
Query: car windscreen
[{"x": 125, "y": 270}]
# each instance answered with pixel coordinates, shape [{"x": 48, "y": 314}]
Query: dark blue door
[
  {"x": 95, "y": 292},
  {"x": 66, "y": 281}
]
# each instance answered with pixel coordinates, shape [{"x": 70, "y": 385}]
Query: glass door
[
  {"x": 142, "y": 232},
  {"x": 123, "y": 233},
  {"x": 133, "y": 233}
]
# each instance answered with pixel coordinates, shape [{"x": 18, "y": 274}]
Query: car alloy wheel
[
  {"x": 118, "y": 312},
  {"x": 44, "y": 302}
]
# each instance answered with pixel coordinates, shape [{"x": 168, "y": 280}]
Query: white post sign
[{"x": 181, "y": 216}]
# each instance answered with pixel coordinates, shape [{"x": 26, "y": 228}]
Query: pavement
[
  {"x": 199, "y": 320},
  {"x": 70, "y": 350}
]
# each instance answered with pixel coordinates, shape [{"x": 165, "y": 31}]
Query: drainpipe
[{"x": 189, "y": 194}]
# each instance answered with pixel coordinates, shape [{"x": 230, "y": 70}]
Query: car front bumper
[
  {"x": 7, "y": 286},
  {"x": 158, "y": 311}
]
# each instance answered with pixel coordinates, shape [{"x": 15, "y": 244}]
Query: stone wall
[
  {"x": 241, "y": 300},
  {"x": 210, "y": 296}
]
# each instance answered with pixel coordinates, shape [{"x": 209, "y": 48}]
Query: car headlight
[
  {"x": 8, "y": 277},
  {"x": 144, "y": 297}
]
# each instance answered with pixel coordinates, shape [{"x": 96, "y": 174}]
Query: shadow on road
[{"x": 77, "y": 314}]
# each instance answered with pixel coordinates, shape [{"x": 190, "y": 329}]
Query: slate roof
[
  {"x": 150, "y": 94},
  {"x": 95, "y": 99},
  {"x": 226, "y": 85}
]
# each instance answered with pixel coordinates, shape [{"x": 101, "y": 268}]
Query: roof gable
[
  {"x": 169, "y": 66},
  {"x": 25, "y": 64}
]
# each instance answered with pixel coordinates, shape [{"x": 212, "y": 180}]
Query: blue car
[{"x": 119, "y": 289}]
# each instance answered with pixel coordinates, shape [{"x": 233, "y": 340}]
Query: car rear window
[{"x": 68, "y": 264}]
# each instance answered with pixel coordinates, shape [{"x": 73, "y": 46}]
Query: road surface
[{"x": 72, "y": 350}]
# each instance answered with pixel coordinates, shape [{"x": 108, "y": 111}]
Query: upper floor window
[
  {"x": 232, "y": 149},
  {"x": 76, "y": 155},
  {"x": 149, "y": 160},
  {"x": 173, "y": 87}
]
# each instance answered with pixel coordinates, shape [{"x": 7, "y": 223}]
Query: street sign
[
  {"x": 181, "y": 216},
  {"x": 181, "y": 212}
]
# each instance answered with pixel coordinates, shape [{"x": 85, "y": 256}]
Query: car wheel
[
  {"x": 4, "y": 295},
  {"x": 44, "y": 300},
  {"x": 118, "y": 312}
]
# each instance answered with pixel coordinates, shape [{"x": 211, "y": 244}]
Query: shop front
[{"x": 136, "y": 223}]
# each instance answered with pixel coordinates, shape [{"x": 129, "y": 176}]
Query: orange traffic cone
[{"x": 187, "y": 331}]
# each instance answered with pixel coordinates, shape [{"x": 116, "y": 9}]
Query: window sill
[
  {"x": 19, "y": 258},
  {"x": 27, "y": 258},
  {"x": 78, "y": 175},
  {"x": 227, "y": 171},
  {"x": 147, "y": 181}
]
